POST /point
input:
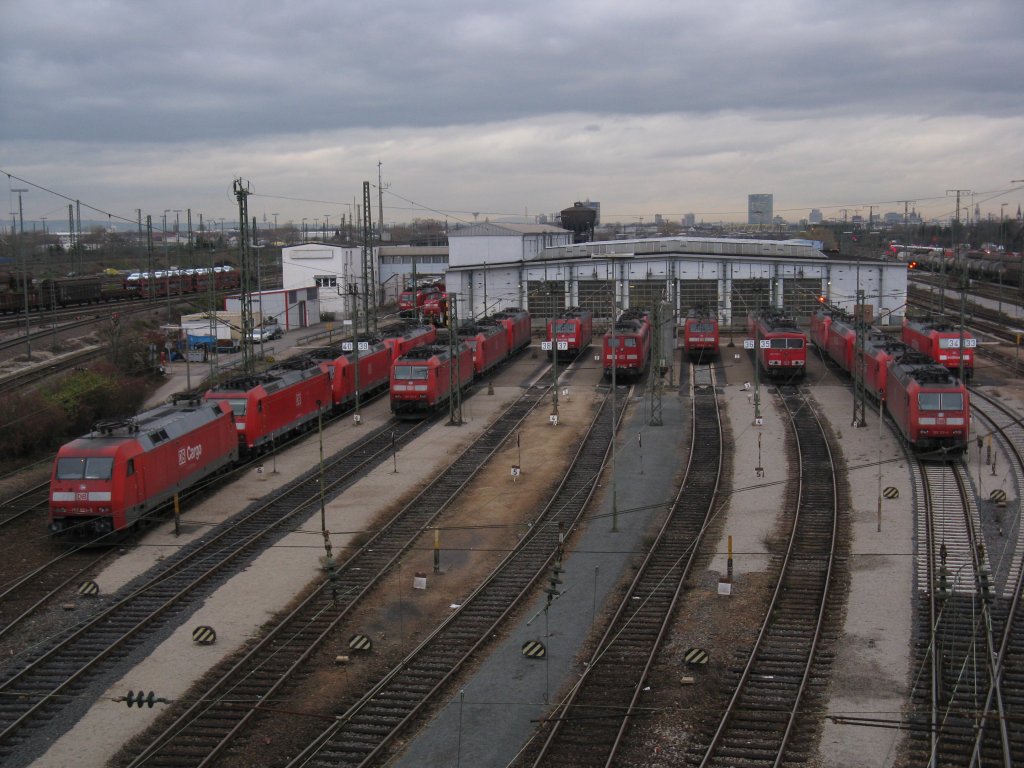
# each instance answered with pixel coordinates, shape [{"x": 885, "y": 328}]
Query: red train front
[
  {"x": 272, "y": 404},
  {"x": 779, "y": 345},
  {"x": 632, "y": 338},
  {"x": 700, "y": 334},
  {"x": 489, "y": 342},
  {"x": 421, "y": 381},
  {"x": 573, "y": 331},
  {"x": 108, "y": 479},
  {"x": 941, "y": 342},
  {"x": 931, "y": 406}
]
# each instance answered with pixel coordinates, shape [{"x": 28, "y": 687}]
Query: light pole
[
  {"x": 24, "y": 271},
  {"x": 275, "y": 223},
  {"x": 167, "y": 264}
]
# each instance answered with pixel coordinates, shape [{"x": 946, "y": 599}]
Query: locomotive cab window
[
  {"x": 787, "y": 343},
  {"x": 940, "y": 401},
  {"x": 564, "y": 328},
  {"x": 630, "y": 341},
  {"x": 238, "y": 406},
  {"x": 415, "y": 372},
  {"x": 97, "y": 468}
]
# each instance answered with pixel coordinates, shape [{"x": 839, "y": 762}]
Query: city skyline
[{"x": 469, "y": 110}]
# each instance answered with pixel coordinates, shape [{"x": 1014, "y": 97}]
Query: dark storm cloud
[{"x": 117, "y": 72}]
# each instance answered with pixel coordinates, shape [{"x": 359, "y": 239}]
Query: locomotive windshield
[
  {"x": 565, "y": 328},
  {"x": 629, "y": 341},
  {"x": 238, "y": 406},
  {"x": 702, "y": 328},
  {"x": 940, "y": 401},
  {"x": 414, "y": 372},
  {"x": 787, "y": 343},
  {"x": 95, "y": 468}
]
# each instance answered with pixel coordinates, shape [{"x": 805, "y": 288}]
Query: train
[
  {"x": 632, "y": 338},
  {"x": 700, "y": 334},
  {"x": 413, "y": 299},
  {"x": 573, "y": 330},
  {"x": 928, "y": 404},
  {"x": 940, "y": 340},
  {"x": 270, "y": 405},
  {"x": 780, "y": 347},
  {"x": 488, "y": 341},
  {"x": 107, "y": 480},
  {"x": 517, "y": 325},
  {"x": 422, "y": 380},
  {"x": 82, "y": 290}
]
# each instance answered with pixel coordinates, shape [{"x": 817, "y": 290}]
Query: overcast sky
[{"x": 513, "y": 108}]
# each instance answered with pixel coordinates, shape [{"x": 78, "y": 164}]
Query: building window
[{"x": 326, "y": 281}]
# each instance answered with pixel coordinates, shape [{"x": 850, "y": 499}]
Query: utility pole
[
  {"x": 454, "y": 372},
  {"x": 613, "y": 344},
  {"x": 380, "y": 201},
  {"x": 368, "y": 259},
  {"x": 242, "y": 191},
  {"x": 24, "y": 270},
  {"x": 962, "y": 267},
  {"x": 656, "y": 378}
]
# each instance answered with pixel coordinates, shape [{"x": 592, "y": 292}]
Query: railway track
[
  {"x": 589, "y": 725},
  {"x": 956, "y": 639},
  {"x": 24, "y": 596},
  {"x": 996, "y": 739},
  {"x": 25, "y": 503},
  {"x": 769, "y": 719},
  {"x": 364, "y": 733},
  {"x": 208, "y": 725},
  {"x": 36, "y": 687}
]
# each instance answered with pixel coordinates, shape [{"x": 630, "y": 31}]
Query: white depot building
[
  {"x": 537, "y": 267},
  {"x": 490, "y": 266}
]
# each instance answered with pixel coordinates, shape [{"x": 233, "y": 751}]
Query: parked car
[{"x": 267, "y": 332}]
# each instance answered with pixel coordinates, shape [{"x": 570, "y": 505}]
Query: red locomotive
[
  {"x": 110, "y": 478},
  {"x": 931, "y": 406},
  {"x": 339, "y": 361},
  {"x": 821, "y": 321},
  {"x": 941, "y": 342},
  {"x": 488, "y": 340},
  {"x": 841, "y": 342},
  {"x": 277, "y": 402},
  {"x": 879, "y": 350},
  {"x": 410, "y": 300},
  {"x": 404, "y": 338},
  {"x": 516, "y": 322},
  {"x": 632, "y": 334},
  {"x": 435, "y": 309},
  {"x": 700, "y": 334},
  {"x": 779, "y": 345},
  {"x": 574, "y": 330},
  {"x": 421, "y": 380}
]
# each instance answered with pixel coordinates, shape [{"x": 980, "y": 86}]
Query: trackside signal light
[
  {"x": 821, "y": 299},
  {"x": 912, "y": 265}
]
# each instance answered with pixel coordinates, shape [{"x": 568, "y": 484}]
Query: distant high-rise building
[
  {"x": 815, "y": 216},
  {"x": 689, "y": 219},
  {"x": 658, "y": 219},
  {"x": 759, "y": 210}
]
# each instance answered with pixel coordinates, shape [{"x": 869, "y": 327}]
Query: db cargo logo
[
  {"x": 298, "y": 398},
  {"x": 189, "y": 453}
]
